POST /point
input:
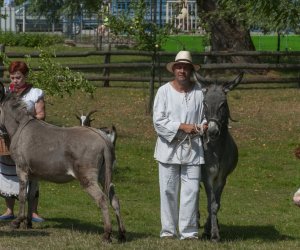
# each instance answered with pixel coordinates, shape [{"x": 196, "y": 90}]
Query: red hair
[{"x": 18, "y": 66}]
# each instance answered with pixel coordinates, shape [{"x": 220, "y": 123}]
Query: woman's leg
[
  {"x": 35, "y": 216},
  {"x": 9, "y": 212},
  {"x": 10, "y": 203}
]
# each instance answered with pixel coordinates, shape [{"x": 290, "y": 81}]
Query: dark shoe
[{"x": 7, "y": 217}]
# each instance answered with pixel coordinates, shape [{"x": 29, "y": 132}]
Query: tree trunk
[{"x": 227, "y": 35}]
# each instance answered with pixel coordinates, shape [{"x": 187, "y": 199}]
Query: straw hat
[{"x": 182, "y": 57}]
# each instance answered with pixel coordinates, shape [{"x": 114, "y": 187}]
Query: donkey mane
[{"x": 15, "y": 102}]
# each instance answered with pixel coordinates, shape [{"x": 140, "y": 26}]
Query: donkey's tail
[{"x": 109, "y": 158}]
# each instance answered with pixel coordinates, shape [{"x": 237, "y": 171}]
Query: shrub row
[{"x": 29, "y": 39}]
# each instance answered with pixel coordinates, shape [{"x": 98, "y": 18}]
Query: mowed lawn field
[
  {"x": 261, "y": 42},
  {"x": 257, "y": 210}
]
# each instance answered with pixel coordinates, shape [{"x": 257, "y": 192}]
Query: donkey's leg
[
  {"x": 207, "y": 226},
  {"x": 32, "y": 189},
  {"x": 114, "y": 201},
  {"x": 215, "y": 231},
  {"x": 23, "y": 180},
  {"x": 214, "y": 221},
  {"x": 211, "y": 227},
  {"x": 100, "y": 198}
]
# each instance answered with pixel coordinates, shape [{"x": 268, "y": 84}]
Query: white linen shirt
[{"x": 171, "y": 108}]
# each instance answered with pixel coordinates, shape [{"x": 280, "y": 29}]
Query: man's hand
[{"x": 193, "y": 128}]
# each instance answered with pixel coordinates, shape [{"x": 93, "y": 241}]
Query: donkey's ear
[
  {"x": 201, "y": 80},
  {"x": 232, "y": 84},
  {"x": 2, "y": 91}
]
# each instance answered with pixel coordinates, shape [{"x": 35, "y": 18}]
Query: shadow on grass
[
  {"x": 80, "y": 226},
  {"x": 24, "y": 232},
  {"x": 262, "y": 232},
  {"x": 40, "y": 229},
  {"x": 6, "y": 230}
]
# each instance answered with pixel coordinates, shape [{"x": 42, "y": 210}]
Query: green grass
[
  {"x": 269, "y": 42},
  {"x": 261, "y": 42},
  {"x": 197, "y": 43},
  {"x": 256, "y": 213},
  {"x": 193, "y": 43}
]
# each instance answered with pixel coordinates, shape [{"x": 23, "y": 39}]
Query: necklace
[{"x": 186, "y": 98}]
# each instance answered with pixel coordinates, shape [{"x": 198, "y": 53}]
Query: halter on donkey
[{"x": 44, "y": 151}]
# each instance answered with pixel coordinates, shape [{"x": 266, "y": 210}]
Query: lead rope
[
  {"x": 189, "y": 147},
  {"x": 188, "y": 137}
]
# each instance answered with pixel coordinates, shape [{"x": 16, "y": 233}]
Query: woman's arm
[{"x": 40, "y": 109}]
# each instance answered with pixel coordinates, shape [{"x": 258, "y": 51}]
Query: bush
[{"x": 29, "y": 39}]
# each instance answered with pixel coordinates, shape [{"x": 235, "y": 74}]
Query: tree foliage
[
  {"x": 55, "y": 79},
  {"x": 138, "y": 22},
  {"x": 268, "y": 15},
  {"x": 54, "y": 9}
]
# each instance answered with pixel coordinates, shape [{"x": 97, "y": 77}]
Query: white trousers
[{"x": 179, "y": 200}]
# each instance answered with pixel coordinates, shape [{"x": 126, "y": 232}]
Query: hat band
[{"x": 183, "y": 60}]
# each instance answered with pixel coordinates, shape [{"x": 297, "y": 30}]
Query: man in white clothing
[{"x": 179, "y": 123}]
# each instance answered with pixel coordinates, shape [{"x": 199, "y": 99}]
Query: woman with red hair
[{"x": 34, "y": 99}]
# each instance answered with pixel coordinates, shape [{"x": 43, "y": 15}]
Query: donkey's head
[
  {"x": 215, "y": 104},
  {"x": 85, "y": 120},
  {"x": 13, "y": 112}
]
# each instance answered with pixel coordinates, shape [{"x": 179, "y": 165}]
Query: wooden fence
[
  {"x": 103, "y": 69},
  {"x": 154, "y": 66}
]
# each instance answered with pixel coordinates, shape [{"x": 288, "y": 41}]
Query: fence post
[
  {"x": 2, "y": 51},
  {"x": 106, "y": 71},
  {"x": 278, "y": 46},
  {"x": 151, "y": 85},
  {"x": 158, "y": 57}
]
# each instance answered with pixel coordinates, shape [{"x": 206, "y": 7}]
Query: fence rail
[{"x": 160, "y": 53}]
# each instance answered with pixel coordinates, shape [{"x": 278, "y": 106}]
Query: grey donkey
[
  {"x": 220, "y": 149},
  {"x": 44, "y": 151}
]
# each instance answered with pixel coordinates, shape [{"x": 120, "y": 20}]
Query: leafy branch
[
  {"x": 137, "y": 23},
  {"x": 52, "y": 77}
]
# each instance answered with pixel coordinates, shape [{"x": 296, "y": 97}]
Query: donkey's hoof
[
  {"x": 29, "y": 225},
  {"x": 15, "y": 224},
  {"x": 215, "y": 240},
  {"x": 205, "y": 236},
  {"x": 122, "y": 238},
  {"x": 106, "y": 238}
]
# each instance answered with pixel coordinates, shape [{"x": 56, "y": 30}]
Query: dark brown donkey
[{"x": 44, "y": 151}]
